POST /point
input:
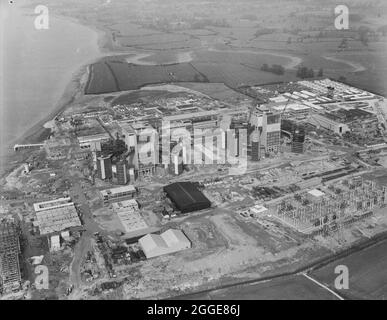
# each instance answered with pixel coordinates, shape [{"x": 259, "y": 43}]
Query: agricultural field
[
  {"x": 290, "y": 288},
  {"x": 235, "y": 75},
  {"x": 143, "y": 96},
  {"x": 218, "y": 91},
  {"x": 101, "y": 79},
  {"x": 366, "y": 281},
  {"x": 152, "y": 39},
  {"x": 117, "y": 75},
  {"x": 230, "y": 42}
]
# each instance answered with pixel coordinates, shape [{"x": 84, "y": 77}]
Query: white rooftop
[
  {"x": 258, "y": 209},
  {"x": 316, "y": 193},
  {"x": 129, "y": 215},
  {"x": 52, "y": 204},
  {"x": 170, "y": 241},
  {"x": 114, "y": 191},
  {"x": 57, "y": 219},
  {"x": 94, "y": 137}
]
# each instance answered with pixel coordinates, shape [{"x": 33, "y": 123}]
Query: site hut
[
  {"x": 10, "y": 276},
  {"x": 55, "y": 218},
  {"x": 258, "y": 210},
  {"x": 118, "y": 193},
  {"x": 186, "y": 197}
]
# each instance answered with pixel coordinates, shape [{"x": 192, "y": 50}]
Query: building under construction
[
  {"x": 298, "y": 139},
  {"x": 10, "y": 278},
  {"x": 339, "y": 205}
]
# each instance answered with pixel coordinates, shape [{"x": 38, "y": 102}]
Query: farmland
[
  {"x": 228, "y": 41},
  {"x": 290, "y": 288},
  {"x": 366, "y": 281},
  {"x": 115, "y": 75},
  {"x": 231, "y": 68}
]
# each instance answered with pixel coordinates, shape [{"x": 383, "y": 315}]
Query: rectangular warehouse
[
  {"x": 56, "y": 215},
  {"x": 170, "y": 241},
  {"x": 187, "y": 197}
]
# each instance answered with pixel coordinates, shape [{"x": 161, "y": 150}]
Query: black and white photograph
[{"x": 188, "y": 157}]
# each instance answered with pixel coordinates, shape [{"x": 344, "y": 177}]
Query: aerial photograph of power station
[{"x": 170, "y": 150}]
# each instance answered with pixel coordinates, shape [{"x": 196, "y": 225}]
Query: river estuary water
[{"x": 36, "y": 66}]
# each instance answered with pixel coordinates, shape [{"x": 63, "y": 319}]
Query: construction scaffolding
[
  {"x": 10, "y": 278},
  {"x": 335, "y": 209}
]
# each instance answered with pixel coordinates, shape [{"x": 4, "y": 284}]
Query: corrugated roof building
[
  {"x": 187, "y": 197},
  {"x": 172, "y": 240}
]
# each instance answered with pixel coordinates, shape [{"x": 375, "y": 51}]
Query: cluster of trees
[
  {"x": 115, "y": 147},
  {"x": 264, "y": 31},
  {"x": 364, "y": 35},
  {"x": 167, "y": 25},
  {"x": 250, "y": 17},
  {"x": 304, "y": 72},
  {"x": 275, "y": 68},
  {"x": 383, "y": 30},
  {"x": 206, "y": 22}
]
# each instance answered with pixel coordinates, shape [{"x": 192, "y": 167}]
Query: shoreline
[{"x": 73, "y": 88}]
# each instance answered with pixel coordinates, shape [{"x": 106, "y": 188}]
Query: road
[
  {"x": 295, "y": 287},
  {"x": 84, "y": 243}
]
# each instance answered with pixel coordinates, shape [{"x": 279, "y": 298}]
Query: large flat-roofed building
[
  {"x": 328, "y": 122},
  {"x": 93, "y": 140},
  {"x": 170, "y": 241},
  {"x": 187, "y": 197},
  {"x": 10, "y": 278},
  {"x": 129, "y": 215},
  {"x": 56, "y": 215},
  {"x": 193, "y": 116},
  {"x": 118, "y": 193}
]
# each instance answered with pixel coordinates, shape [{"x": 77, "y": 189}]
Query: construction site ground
[{"x": 226, "y": 246}]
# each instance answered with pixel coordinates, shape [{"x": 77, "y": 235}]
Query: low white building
[
  {"x": 316, "y": 194},
  {"x": 258, "y": 210},
  {"x": 55, "y": 243},
  {"x": 172, "y": 240}
]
